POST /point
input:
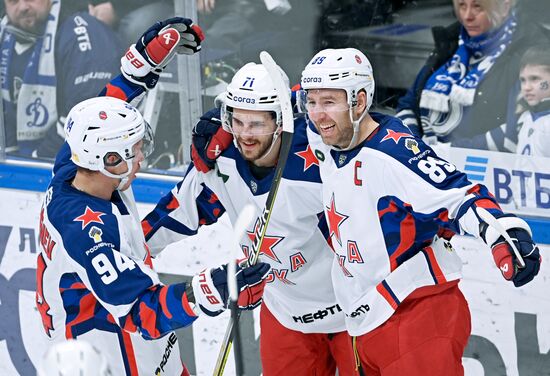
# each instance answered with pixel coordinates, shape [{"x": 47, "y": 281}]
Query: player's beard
[
  {"x": 259, "y": 146},
  {"x": 340, "y": 135}
]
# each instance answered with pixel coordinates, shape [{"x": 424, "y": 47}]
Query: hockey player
[
  {"x": 300, "y": 321},
  {"x": 95, "y": 277},
  {"x": 387, "y": 196},
  {"x": 302, "y": 327},
  {"x": 95, "y": 280}
]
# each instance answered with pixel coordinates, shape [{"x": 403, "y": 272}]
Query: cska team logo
[
  {"x": 395, "y": 136},
  {"x": 88, "y": 217},
  {"x": 335, "y": 219},
  {"x": 309, "y": 158}
]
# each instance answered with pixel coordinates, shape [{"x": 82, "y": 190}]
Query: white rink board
[{"x": 494, "y": 303}]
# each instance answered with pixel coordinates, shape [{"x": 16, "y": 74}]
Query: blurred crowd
[{"x": 485, "y": 85}]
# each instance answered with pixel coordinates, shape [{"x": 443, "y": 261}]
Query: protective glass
[
  {"x": 324, "y": 104},
  {"x": 250, "y": 124}
]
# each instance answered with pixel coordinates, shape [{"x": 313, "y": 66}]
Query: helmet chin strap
[
  {"x": 275, "y": 136},
  {"x": 356, "y": 125},
  {"x": 124, "y": 177}
]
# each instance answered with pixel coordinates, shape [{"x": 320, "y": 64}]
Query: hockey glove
[
  {"x": 212, "y": 293},
  {"x": 209, "y": 139},
  {"x": 145, "y": 60},
  {"x": 503, "y": 254}
]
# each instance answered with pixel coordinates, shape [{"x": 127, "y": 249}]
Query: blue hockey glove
[
  {"x": 209, "y": 139},
  {"x": 145, "y": 60},
  {"x": 503, "y": 254},
  {"x": 212, "y": 293}
]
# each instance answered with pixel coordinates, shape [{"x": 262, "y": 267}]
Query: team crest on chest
[
  {"x": 335, "y": 219},
  {"x": 342, "y": 159},
  {"x": 269, "y": 242},
  {"x": 253, "y": 186}
]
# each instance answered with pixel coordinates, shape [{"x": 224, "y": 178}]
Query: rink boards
[{"x": 510, "y": 327}]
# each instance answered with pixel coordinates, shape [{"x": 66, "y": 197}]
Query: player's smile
[
  {"x": 248, "y": 145},
  {"x": 326, "y": 127},
  {"x": 253, "y": 131}
]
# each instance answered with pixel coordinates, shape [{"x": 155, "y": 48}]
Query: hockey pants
[
  {"x": 426, "y": 335},
  {"x": 289, "y": 352}
]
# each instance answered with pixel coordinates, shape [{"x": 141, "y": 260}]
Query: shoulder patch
[
  {"x": 89, "y": 216},
  {"x": 395, "y": 136},
  {"x": 95, "y": 233},
  {"x": 412, "y": 145}
]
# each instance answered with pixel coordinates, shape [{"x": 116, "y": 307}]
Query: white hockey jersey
[
  {"x": 95, "y": 282},
  {"x": 386, "y": 201},
  {"x": 299, "y": 291}
]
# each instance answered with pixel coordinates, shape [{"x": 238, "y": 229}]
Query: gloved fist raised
[
  {"x": 145, "y": 60},
  {"x": 212, "y": 293},
  {"x": 504, "y": 255},
  {"x": 209, "y": 140}
]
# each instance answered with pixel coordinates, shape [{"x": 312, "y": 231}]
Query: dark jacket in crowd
[
  {"x": 495, "y": 94},
  {"x": 87, "y": 55}
]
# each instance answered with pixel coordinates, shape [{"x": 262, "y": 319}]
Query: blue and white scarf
[
  {"x": 36, "y": 103},
  {"x": 458, "y": 79}
]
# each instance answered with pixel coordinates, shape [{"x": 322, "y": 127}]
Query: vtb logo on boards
[{"x": 526, "y": 188}]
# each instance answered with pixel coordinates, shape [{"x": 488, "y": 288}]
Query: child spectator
[{"x": 534, "y": 123}]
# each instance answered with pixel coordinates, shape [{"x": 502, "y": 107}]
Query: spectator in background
[
  {"x": 528, "y": 128},
  {"x": 39, "y": 40},
  {"x": 240, "y": 29},
  {"x": 463, "y": 90},
  {"x": 534, "y": 123},
  {"x": 128, "y": 17}
]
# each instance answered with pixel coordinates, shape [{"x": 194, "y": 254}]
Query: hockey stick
[
  {"x": 259, "y": 232},
  {"x": 244, "y": 219},
  {"x": 493, "y": 222}
]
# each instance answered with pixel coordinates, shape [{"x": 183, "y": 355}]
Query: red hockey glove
[
  {"x": 504, "y": 255},
  {"x": 145, "y": 60},
  {"x": 209, "y": 140},
  {"x": 212, "y": 293}
]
